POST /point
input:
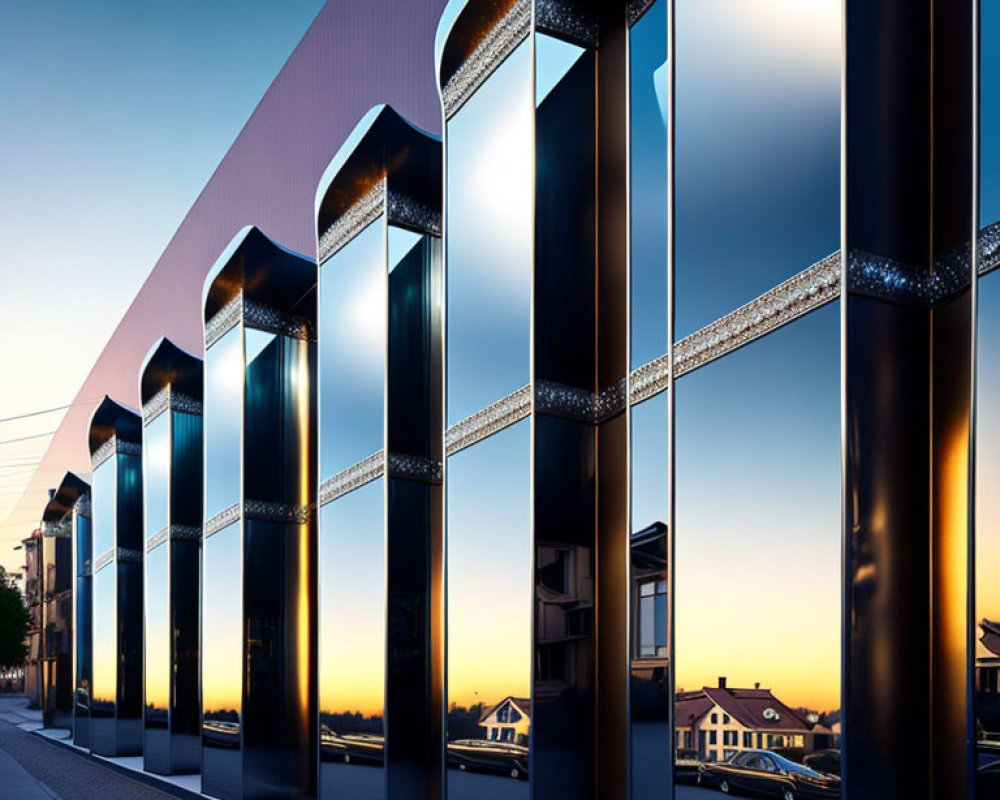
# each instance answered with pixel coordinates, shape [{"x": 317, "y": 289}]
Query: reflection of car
[
  {"x": 766, "y": 773},
  {"x": 489, "y": 756},
  {"x": 827, "y": 761},
  {"x": 351, "y": 748},
  {"x": 221, "y": 734},
  {"x": 686, "y": 768},
  {"x": 988, "y": 779}
]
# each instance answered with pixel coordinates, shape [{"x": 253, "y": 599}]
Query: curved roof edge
[
  {"x": 65, "y": 496},
  {"x": 165, "y": 364},
  {"x": 111, "y": 418}
]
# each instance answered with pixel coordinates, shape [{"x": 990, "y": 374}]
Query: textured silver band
[
  {"x": 62, "y": 529},
  {"x": 167, "y": 398},
  {"x": 103, "y": 560},
  {"x": 636, "y": 8},
  {"x": 267, "y": 511},
  {"x": 512, "y": 29},
  {"x": 157, "y": 539},
  {"x": 265, "y": 318},
  {"x": 353, "y": 477},
  {"x": 476, "y": 427},
  {"x": 404, "y": 210},
  {"x": 185, "y": 533},
  {"x": 111, "y": 447},
  {"x": 126, "y": 556},
  {"x": 224, "y": 320},
  {"x": 349, "y": 224},
  {"x": 989, "y": 248},
  {"x": 570, "y": 21},
  {"x": 222, "y": 520},
  {"x": 415, "y": 468},
  {"x": 570, "y": 402},
  {"x": 82, "y": 505},
  {"x": 86, "y": 571}
]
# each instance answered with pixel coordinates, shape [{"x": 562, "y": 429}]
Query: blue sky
[{"x": 114, "y": 116}]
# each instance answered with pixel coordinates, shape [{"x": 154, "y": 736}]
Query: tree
[{"x": 13, "y": 626}]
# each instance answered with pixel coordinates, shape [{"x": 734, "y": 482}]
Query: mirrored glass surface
[
  {"x": 223, "y": 422},
  {"x": 352, "y": 350},
  {"x": 490, "y": 588},
  {"x": 650, "y": 690},
  {"x": 490, "y": 179},
  {"x": 757, "y": 111},
  {"x": 157, "y": 652},
  {"x": 353, "y": 644},
  {"x": 83, "y": 631},
  {"x": 156, "y": 458},
  {"x": 222, "y": 661},
  {"x": 757, "y": 572},
  {"x": 105, "y": 673},
  {"x": 648, "y": 176},
  {"x": 104, "y": 490},
  {"x": 986, "y": 652}
]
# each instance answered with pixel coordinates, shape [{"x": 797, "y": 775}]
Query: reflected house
[
  {"x": 33, "y": 594},
  {"x": 508, "y": 721},
  {"x": 258, "y": 590},
  {"x": 715, "y": 722},
  {"x": 987, "y": 682},
  {"x": 57, "y": 607},
  {"x": 116, "y": 490},
  {"x": 170, "y": 390},
  {"x": 378, "y": 210}
]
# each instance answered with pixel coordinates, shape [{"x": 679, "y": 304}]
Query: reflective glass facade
[{"x": 83, "y": 642}]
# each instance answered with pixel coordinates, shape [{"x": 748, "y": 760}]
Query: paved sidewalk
[{"x": 34, "y": 768}]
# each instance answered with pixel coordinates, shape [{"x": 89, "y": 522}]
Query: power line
[
  {"x": 26, "y": 438},
  {"x": 36, "y": 413}
]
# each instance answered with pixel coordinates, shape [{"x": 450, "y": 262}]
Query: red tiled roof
[
  {"x": 991, "y": 636},
  {"x": 747, "y": 706}
]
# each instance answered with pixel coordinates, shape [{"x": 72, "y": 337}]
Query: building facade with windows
[{"x": 618, "y": 346}]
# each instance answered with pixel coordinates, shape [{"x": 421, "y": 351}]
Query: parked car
[
  {"x": 764, "y": 772},
  {"x": 351, "y": 748},
  {"x": 219, "y": 733},
  {"x": 827, "y": 761},
  {"x": 485, "y": 755}
]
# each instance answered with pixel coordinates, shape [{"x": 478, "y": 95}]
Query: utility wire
[
  {"x": 48, "y": 410},
  {"x": 26, "y": 438}
]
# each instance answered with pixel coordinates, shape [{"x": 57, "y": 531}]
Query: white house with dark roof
[
  {"x": 508, "y": 721},
  {"x": 715, "y": 722}
]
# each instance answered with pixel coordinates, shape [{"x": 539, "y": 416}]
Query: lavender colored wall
[{"x": 356, "y": 53}]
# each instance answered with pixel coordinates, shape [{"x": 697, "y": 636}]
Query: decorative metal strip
[
  {"x": 800, "y": 294},
  {"x": 404, "y": 210},
  {"x": 225, "y": 319},
  {"x": 415, "y": 468},
  {"x": 499, "y": 43},
  {"x": 570, "y": 402},
  {"x": 224, "y": 518},
  {"x": 265, "y": 318},
  {"x": 571, "y": 21},
  {"x": 353, "y": 477},
  {"x": 111, "y": 447},
  {"x": 275, "y": 512},
  {"x": 649, "y": 379},
  {"x": 611, "y": 401},
  {"x": 157, "y": 539},
  {"x": 636, "y": 8},
  {"x": 62, "y": 529},
  {"x": 103, "y": 560},
  {"x": 185, "y": 533},
  {"x": 883, "y": 278},
  {"x": 103, "y": 453},
  {"x": 86, "y": 572},
  {"x": 185, "y": 404},
  {"x": 157, "y": 404},
  {"x": 349, "y": 224},
  {"x": 501, "y": 414},
  {"x": 126, "y": 556},
  {"x": 82, "y": 506},
  {"x": 989, "y": 248}
]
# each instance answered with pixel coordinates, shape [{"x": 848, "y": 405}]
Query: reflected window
[
  {"x": 105, "y": 493},
  {"x": 223, "y": 420},
  {"x": 156, "y": 473},
  {"x": 652, "y": 622}
]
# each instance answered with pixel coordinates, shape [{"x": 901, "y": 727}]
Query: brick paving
[{"x": 66, "y": 775}]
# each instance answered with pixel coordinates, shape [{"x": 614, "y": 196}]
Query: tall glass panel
[
  {"x": 105, "y": 492},
  {"x": 987, "y": 512},
  {"x": 490, "y": 589},
  {"x": 757, "y": 148},
  {"x": 222, "y": 661},
  {"x": 650, "y": 688},
  {"x": 352, "y": 350},
  {"x": 156, "y": 475},
  {"x": 82, "y": 630},
  {"x": 648, "y": 176},
  {"x": 758, "y": 564},
  {"x": 105, "y": 672},
  {"x": 490, "y": 179},
  {"x": 223, "y": 422},
  {"x": 353, "y": 644},
  {"x": 157, "y": 650}
]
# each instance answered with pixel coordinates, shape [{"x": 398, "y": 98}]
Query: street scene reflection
[{"x": 758, "y": 597}]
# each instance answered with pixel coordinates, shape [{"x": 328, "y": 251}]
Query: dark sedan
[
  {"x": 351, "y": 748},
  {"x": 488, "y": 756},
  {"x": 762, "y": 772}
]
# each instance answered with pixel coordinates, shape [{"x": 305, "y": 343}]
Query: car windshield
[{"x": 799, "y": 769}]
